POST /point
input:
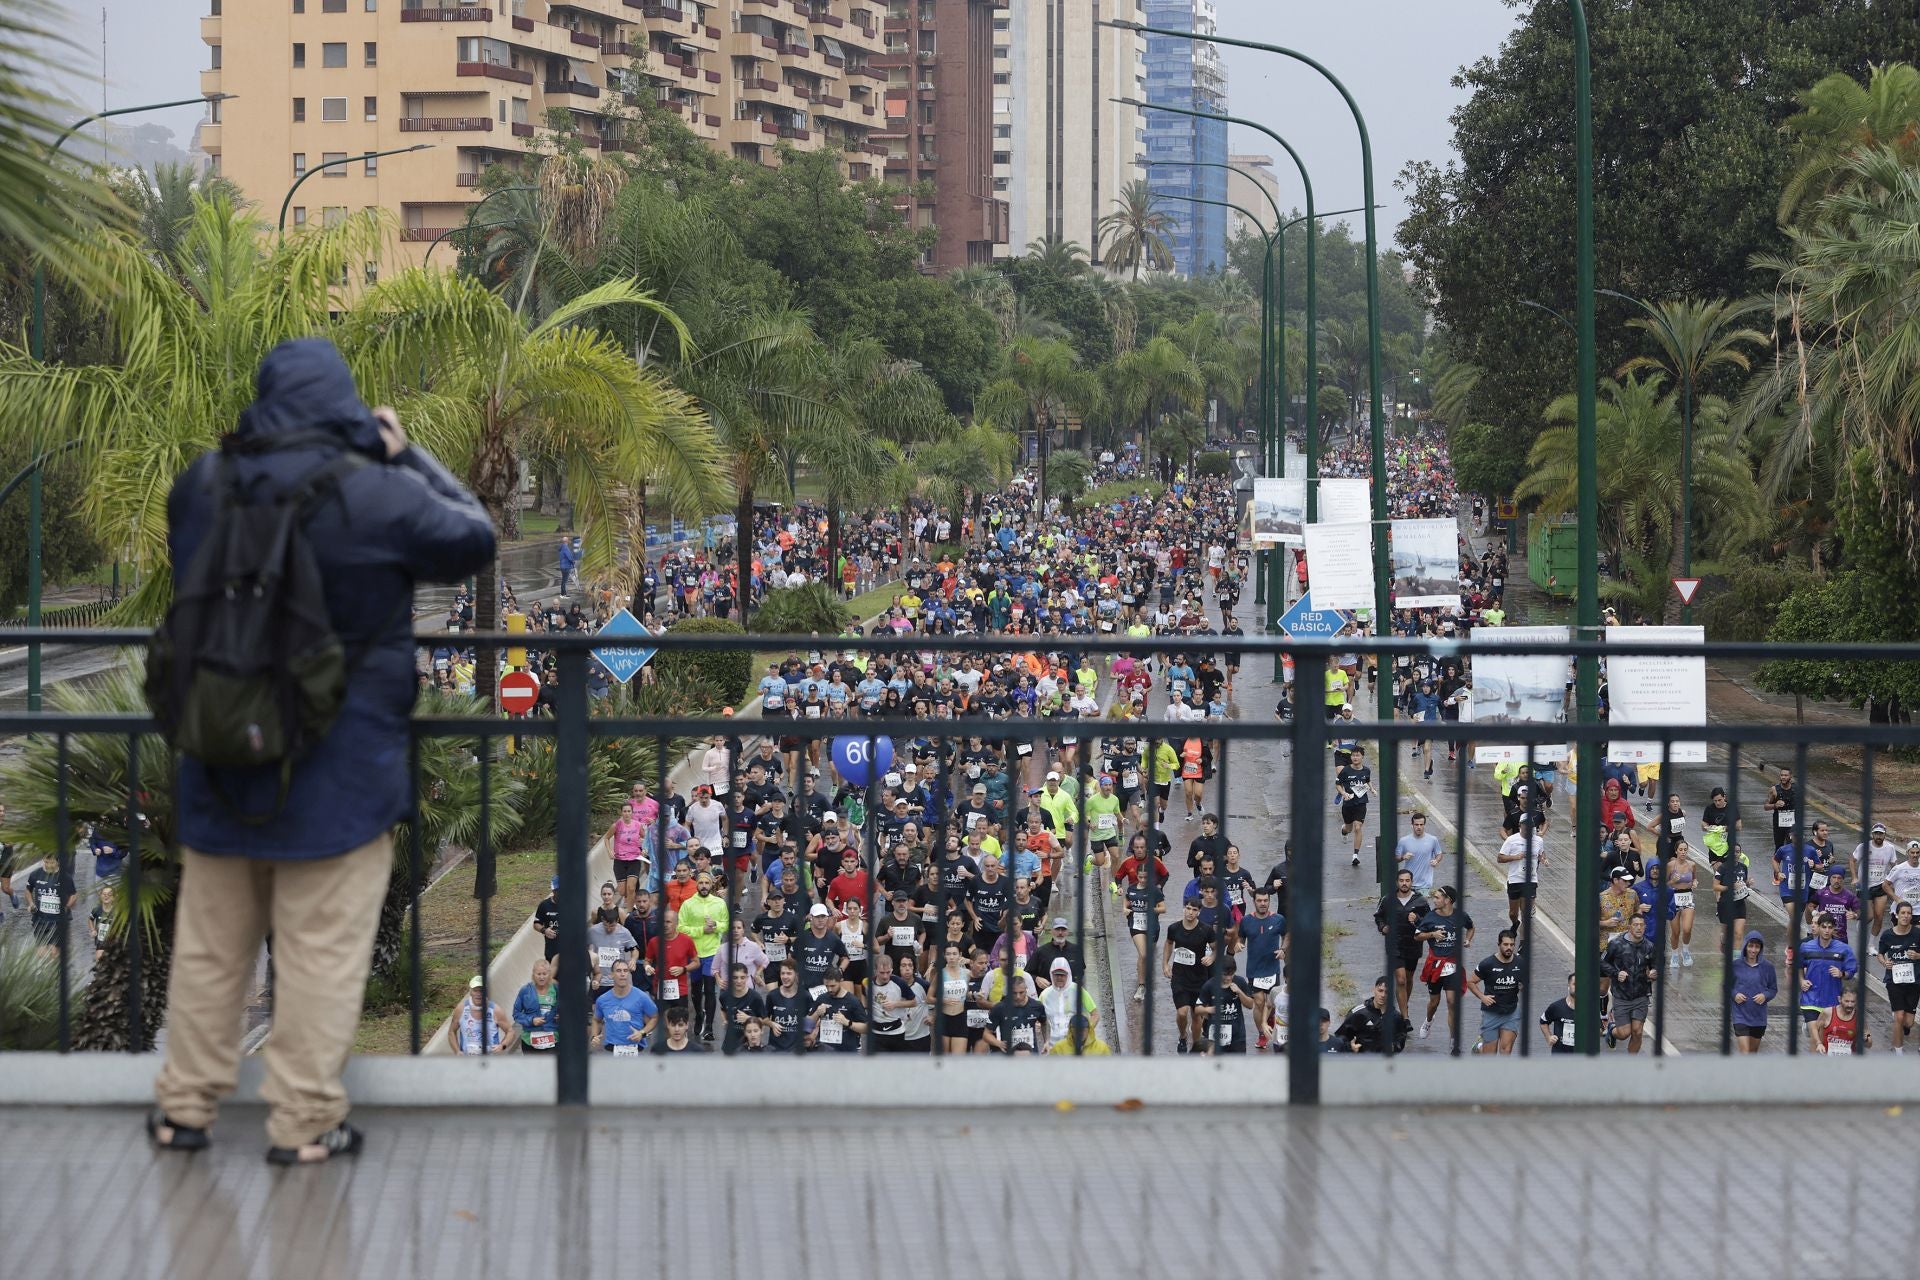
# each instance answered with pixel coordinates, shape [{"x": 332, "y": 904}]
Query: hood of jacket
[{"x": 304, "y": 385}]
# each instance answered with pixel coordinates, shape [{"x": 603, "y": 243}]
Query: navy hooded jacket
[{"x": 398, "y": 522}]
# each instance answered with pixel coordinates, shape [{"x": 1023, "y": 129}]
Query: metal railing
[{"x": 573, "y": 727}]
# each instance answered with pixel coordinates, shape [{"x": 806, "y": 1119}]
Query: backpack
[{"x": 247, "y": 670}]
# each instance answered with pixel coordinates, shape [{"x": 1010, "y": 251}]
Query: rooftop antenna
[{"x": 103, "y": 57}]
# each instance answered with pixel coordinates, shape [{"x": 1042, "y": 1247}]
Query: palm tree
[
  {"x": 761, "y": 378},
  {"x": 955, "y": 470},
  {"x": 1156, "y": 380},
  {"x": 990, "y": 291},
  {"x": 1135, "y": 233},
  {"x": 1344, "y": 358},
  {"x": 1840, "y": 118},
  {"x": 163, "y": 202},
  {"x": 886, "y": 405},
  {"x": 1638, "y": 434},
  {"x": 499, "y": 387},
  {"x": 1844, "y": 385},
  {"x": 42, "y": 204},
  {"x": 1058, "y": 255},
  {"x": 1696, "y": 337},
  {"x": 1040, "y": 384}
]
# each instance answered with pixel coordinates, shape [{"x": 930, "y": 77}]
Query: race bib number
[
  {"x": 856, "y": 951},
  {"x": 1447, "y": 968},
  {"x": 739, "y": 839},
  {"x": 813, "y": 713},
  {"x": 607, "y": 956},
  {"x": 1105, "y": 824},
  {"x": 1130, "y": 779},
  {"x": 670, "y": 989},
  {"x": 1139, "y": 922},
  {"x": 1676, "y": 825},
  {"x": 1023, "y": 750},
  {"x": 976, "y": 1017},
  {"x": 1184, "y": 955},
  {"x": 1840, "y": 1048},
  {"x": 1783, "y": 817},
  {"x": 1566, "y": 1034},
  {"x": 775, "y": 702},
  {"x": 1359, "y": 790},
  {"x": 1683, "y": 901},
  {"x": 1903, "y": 972},
  {"x": 902, "y": 935},
  {"x": 1818, "y": 879},
  {"x": 626, "y": 1051},
  {"x": 1223, "y": 1034},
  {"x": 1266, "y": 983},
  {"x": 540, "y": 1040},
  {"x": 776, "y": 951},
  {"x": 816, "y": 991},
  {"x": 831, "y": 1032},
  {"x": 49, "y": 902}
]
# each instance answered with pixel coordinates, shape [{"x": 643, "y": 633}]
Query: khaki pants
[{"x": 322, "y": 913}]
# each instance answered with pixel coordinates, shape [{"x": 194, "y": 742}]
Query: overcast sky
[{"x": 1396, "y": 55}]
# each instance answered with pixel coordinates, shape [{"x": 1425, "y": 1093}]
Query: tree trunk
[
  {"x": 832, "y": 570},
  {"x": 486, "y": 619},
  {"x": 743, "y": 548},
  {"x": 100, "y": 1022}
]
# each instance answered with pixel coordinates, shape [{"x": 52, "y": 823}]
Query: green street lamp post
[
  {"x": 1686, "y": 440},
  {"x": 281, "y": 230},
  {"x": 37, "y": 348}
]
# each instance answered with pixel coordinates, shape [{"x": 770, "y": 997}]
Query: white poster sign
[
  {"x": 1664, "y": 689},
  {"x": 1426, "y": 564},
  {"x": 1340, "y": 564},
  {"x": 1279, "y": 511},
  {"x": 1518, "y": 688},
  {"x": 1345, "y": 499}
]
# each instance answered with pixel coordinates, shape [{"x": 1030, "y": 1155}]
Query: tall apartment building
[
  {"x": 938, "y": 130},
  {"x": 1251, "y": 185},
  {"x": 319, "y": 81},
  {"x": 1063, "y": 149},
  {"x": 1190, "y": 75}
]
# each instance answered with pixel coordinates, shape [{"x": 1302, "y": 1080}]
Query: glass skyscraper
[{"x": 1188, "y": 74}]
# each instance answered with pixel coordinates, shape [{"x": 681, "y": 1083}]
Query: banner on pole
[
  {"x": 1518, "y": 688},
  {"x": 1345, "y": 499},
  {"x": 1340, "y": 564},
  {"x": 1656, "y": 689},
  {"x": 1279, "y": 511},
  {"x": 1426, "y": 564}
]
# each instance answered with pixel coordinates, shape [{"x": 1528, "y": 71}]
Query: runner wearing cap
[
  {"x": 469, "y": 1018},
  {"x": 818, "y": 951},
  {"x": 1871, "y": 859}
]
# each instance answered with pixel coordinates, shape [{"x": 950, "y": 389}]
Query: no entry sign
[{"x": 519, "y": 690}]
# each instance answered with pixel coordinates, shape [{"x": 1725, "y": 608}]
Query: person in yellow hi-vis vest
[{"x": 1337, "y": 686}]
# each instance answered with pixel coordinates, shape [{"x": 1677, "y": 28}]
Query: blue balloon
[{"x": 850, "y": 758}]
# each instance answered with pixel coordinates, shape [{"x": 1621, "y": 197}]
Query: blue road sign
[
  {"x": 623, "y": 662},
  {"x": 1304, "y": 622}
]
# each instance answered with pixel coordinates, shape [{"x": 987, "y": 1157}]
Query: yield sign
[
  {"x": 1686, "y": 587},
  {"x": 1304, "y": 622}
]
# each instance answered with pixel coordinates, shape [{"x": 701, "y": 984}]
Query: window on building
[
  {"x": 338, "y": 170},
  {"x": 1002, "y": 77},
  {"x": 370, "y": 107},
  {"x": 299, "y": 164},
  {"x": 1003, "y": 131},
  {"x": 299, "y": 215},
  {"x": 926, "y": 113},
  {"x": 373, "y": 268},
  {"x": 299, "y": 55},
  {"x": 373, "y": 6},
  {"x": 213, "y": 10},
  {"x": 333, "y": 215},
  {"x": 333, "y": 6},
  {"x": 299, "y": 110},
  {"x": 213, "y": 165},
  {"x": 1003, "y": 157},
  {"x": 299, "y": 6},
  {"x": 373, "y": 166},
  {"x": 215, "y": 64},
  {"x": 1000, "y": 184},
  {"x": 333, "y": 110},
  {"x": 370, "y": 54},
  {"x": 333, "y": 54}
]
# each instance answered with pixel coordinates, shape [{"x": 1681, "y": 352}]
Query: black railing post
[
  {"x": 1306, "y": 884},
  {"x": 570, "y": 848},
  {"x": 136, "y": 936}
]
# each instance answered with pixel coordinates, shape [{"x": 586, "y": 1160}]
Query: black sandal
[
  {"x": 183, "y": 1137},
  {"x": 341, "y": 1140}
]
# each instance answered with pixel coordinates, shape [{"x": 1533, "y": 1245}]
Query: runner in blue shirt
[
  {"x": 1826, "y": 965},
  {"x": 623, "y": 1016},
  {"x": 1265, "y": 936}
]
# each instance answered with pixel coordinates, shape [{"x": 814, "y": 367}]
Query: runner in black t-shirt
[
  {"x": 1225, "y": 998},
  {"x": 1899, "y": 956},
  {"x": 1186, "y": 960},
  {"x": 1557, "y": 1022},
  {"x": 1495, "y": 983},
  {"x": 1354, "y": 785},
  {"x": 787, "y": 1008}
]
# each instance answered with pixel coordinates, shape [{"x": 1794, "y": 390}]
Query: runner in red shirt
[
  {"x": 851, "y": 885},
  {"x": 671, "y": 982}
]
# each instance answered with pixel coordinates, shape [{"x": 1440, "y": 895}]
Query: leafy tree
[
  {"x": 1040, "y": 385},
  {"x": 1054, "y": 253},
  {"x": 1485, "y": 459},
  {"x": 1689, "y": 100},
  {"x": 1840, "y": 118},
  {"x": 67, "y": 545},
  {"x": 42, "y": 205}
]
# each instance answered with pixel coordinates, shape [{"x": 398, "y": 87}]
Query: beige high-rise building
[
  {"x": 319, "y": 81},
  {"x": 1251, "y": 185},
  {"x": 1063, "y": 150}
]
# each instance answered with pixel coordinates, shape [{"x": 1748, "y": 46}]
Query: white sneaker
[
  {"x": 1686, "y": 957},
  {"x": 1900, "y": 1049},
  {"x": 1140, "y": 993},
  {"x": 1673, "y": 960},
  {"x": 1356, "y": 859},
  {"x": 1873, "y": 948},
  {"x": 1425, "y": 1029}
]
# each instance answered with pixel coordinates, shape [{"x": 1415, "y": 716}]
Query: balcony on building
[
  {"x": 446, "y": 13},
  {"x": 210, "y": 28}
]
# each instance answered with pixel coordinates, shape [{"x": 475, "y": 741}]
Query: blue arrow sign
[
  {"x": 623, "y": 663},
  {"x": 1304, "y": 622}
]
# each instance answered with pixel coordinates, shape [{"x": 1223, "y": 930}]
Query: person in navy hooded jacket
[{"x": 315, "y": 873}]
